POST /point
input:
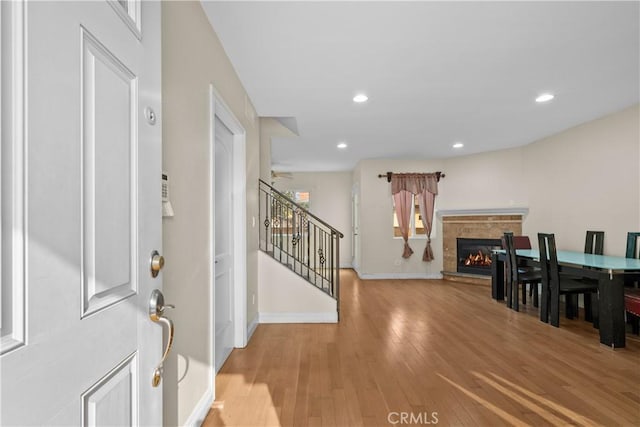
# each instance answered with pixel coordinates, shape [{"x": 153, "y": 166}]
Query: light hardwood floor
[{"x": 412, "y": 348}]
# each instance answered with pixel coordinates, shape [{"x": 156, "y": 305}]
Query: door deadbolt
[
  {"x": 150, "y": 115},
  {"x": 157, "y": 262}
]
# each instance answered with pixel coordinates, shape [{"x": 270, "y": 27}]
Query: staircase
[{"x": 300, "y": 241}]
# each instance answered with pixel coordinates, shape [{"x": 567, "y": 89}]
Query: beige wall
[
  {"x": 192, "y": 59},
  {"x": 584, "y": 178},
  {"x": 587, "y": 177},
  {"x": 287, "y": 297},
  {"x": 269, "y": 128},
  {"x": 330, "y": 200},
  {"x": 380, "y": 251}
]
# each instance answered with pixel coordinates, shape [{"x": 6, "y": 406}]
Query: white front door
[
  {"x": 223, "y": 214},
  {"x": 91, "y": 183}
]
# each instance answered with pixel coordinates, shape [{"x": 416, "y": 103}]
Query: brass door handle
[{"x": 156, "y": 314}]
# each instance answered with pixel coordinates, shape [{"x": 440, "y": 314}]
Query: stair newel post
[
  {"x": 331, "y": 262},
  {"x": 260, "y": 217},
  {"x": 274, "y": 222},
  {"x": 336, "y": 293}
]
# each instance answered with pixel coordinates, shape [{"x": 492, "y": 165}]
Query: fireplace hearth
[{"x": 474, "y": 255}]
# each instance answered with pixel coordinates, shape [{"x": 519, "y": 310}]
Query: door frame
[
  {"x": 13, "y": 121},
  {"x": 220, "y": 110},
  {"x": 355, "y": 226}
]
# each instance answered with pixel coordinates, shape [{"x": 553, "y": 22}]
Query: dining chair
[
  {"x": 519, "y": 275},
  {"x": 632, "y": 308},
  {"x": 593, "y": 244},
  {"x": 633, "y": 251},
  {"x": 553, "y": 284}
]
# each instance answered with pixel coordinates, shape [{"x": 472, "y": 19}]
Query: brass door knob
[{"x": 157, "y": 262}]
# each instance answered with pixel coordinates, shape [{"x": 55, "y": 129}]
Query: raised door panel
[
  {"x": 109, "y": 175},
  {"x": 112, "y": 401}
]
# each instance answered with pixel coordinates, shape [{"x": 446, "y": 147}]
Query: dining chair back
[
  {"x": 553, "y": 284},
  {"x": 594, "y": 243},
  {"x": 519, "y": 275},
  {"x": 633, "y": 251},
  {"x": 511, "y": 276},
  {"x": 633, "y": 245},
  {"x": 549, "y": 272}
]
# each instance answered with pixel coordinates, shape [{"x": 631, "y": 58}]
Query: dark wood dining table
[{"x": 608, "y": 270}]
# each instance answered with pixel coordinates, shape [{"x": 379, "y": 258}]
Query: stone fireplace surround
[{"x": 475, "y": 223}]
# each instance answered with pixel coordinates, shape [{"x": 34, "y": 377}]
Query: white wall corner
[{"x": 252, "y": 327}]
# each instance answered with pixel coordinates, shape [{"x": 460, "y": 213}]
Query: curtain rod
[{"x": 388, "y": 175}]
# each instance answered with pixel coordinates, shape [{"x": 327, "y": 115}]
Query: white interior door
[
  {"x": 355, "y": 222},
  {"x": 92, "y": 213},
  {"x": 223, "y": 214}
]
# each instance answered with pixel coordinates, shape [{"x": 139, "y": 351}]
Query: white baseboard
[
  {"x": 387, "y": 276},
  {"x": 252, "y": 327},
  {"x": 201, "y": 410},
  {"x": 326, "y": 317}
]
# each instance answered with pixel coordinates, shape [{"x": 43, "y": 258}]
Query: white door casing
[
  {"x": 224, "y": 242},
  {"x": 355, "y": 226},
  {"x": 93, "y": 216},
  {"x": 222, "y": 113}
]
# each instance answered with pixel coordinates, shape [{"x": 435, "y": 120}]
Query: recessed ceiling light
[
  {"x": 361, "y": 97},
  {"x": 545, "y": 97},
  {"x": 458, "y": 145},
  {"x": 342, "y": 145}
]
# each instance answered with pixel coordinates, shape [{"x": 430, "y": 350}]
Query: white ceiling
[{"x": 435, "y": 73}]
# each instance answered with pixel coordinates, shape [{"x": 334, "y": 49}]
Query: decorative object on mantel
[{"x": 425, "y": 188}]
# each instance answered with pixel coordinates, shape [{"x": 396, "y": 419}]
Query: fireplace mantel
[{"x": 494, "y": 211}]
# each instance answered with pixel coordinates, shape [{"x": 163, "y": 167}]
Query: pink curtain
[
  {"x": 402, "y": 201},
  {"x": 426, "y": 201},
  {"x": 425, "y": 187}
]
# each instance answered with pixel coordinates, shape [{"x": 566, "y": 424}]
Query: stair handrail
[{"x": 303, "y": 209}]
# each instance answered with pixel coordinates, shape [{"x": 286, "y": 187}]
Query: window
[
  {"x": 416, "y": 228},
  {"x": 300, "y": 197},
  {"x": 283, "y": 213}
]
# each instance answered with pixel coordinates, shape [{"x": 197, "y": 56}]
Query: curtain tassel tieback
[
  {"x": 427, "y": 256},
  {"x": 407, "y": 250}
]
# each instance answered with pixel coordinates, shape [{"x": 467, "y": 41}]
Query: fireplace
[{"x": 474, "y": 255}]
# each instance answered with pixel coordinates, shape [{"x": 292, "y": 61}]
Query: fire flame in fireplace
[{"x": 478, "y": 259}]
